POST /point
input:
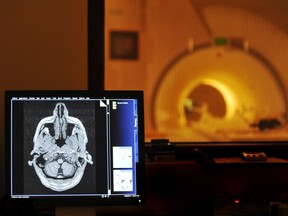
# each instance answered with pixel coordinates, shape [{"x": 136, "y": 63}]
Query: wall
[
  {"x": 43, "y": 45},
  {"x": 162, "y": 36}
]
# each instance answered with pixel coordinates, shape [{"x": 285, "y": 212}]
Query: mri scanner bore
[
  {"x": 237, "y": 96},
  {"x": 59, "y": 153}
]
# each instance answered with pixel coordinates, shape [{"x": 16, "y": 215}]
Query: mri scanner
[{"x": 210, "y": 70}]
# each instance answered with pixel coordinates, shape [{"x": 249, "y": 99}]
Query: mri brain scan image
[{"x": 59, "y": 152}]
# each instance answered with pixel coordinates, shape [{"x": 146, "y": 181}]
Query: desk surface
[{"x": 233, "y": 160}]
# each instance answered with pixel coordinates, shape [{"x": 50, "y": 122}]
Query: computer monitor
[{"x": 75, "y": 148}]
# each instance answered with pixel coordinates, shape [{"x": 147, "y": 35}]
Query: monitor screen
[{"x": 75, "y": 147}]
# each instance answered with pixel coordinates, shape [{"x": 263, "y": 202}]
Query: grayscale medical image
[{"x": 59, "y": 154}]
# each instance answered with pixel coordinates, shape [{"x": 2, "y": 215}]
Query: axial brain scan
[{"x": 59, "y": 153}]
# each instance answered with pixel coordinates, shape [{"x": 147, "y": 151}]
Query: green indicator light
[{"x": 220, "y": 41}]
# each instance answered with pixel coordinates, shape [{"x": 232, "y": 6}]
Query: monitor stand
[{"x": 75, "y": 211}]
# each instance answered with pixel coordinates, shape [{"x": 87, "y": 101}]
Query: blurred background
[{"x": 211, "y": 70}]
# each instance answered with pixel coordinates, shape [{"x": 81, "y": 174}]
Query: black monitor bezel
[{"x": 80, "y": 201}]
